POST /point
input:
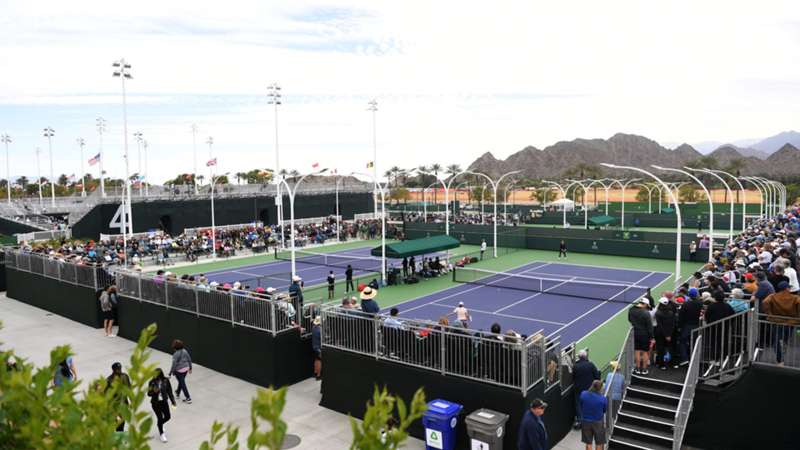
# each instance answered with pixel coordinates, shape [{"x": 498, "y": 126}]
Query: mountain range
[
  {"x": 637, "y": 151},
  {"x": 759, "y": 148}
]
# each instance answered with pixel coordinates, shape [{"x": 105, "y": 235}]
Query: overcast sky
[{"x": 452, "y": 80}]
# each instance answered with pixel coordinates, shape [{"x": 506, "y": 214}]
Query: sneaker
[
  {"x": 163, "y": 437},
  {"x": 644, "y": 372},
  {"x": 188, "y": 400},
  {"x": 663, "y": 367},
  {"x": 675, "y": 366},
  {"x": 684, "y": 363}
]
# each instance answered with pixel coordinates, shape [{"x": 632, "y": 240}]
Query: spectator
[
  {"x": 664, "y": 330},
  {"x": 532, "y": 433},
  {"x": 737, "y": 301},
  {"x": 615, "y": 381},
  {"x": 296, "y": 290},
  {"x": 584, "y": 372},
  {"x": 181, "y": 366},
  {"x": 368, "y": 304},
  {"x": 783, "y": 311},
  {"x": 764, "y": 289},
  {"x": 643, "y": 336},
  {"x": 593, "y": 408},
  {"x": 391, "y": 321},
  {"x": 316, "y": 345},
  {"x": 688, "y": 320},
  {"x": 718, "y": 309},
  {"x": 160, "y": 392},
  {"x": 65, "y": 371},
  {"x": 108, "y": 312},
  {"x": 121, "y": 379}
]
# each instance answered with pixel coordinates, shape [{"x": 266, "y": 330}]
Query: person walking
[
  {"x": 348, "y": 279},
  {"x": 316, "y": 345},
  {"x": 331, "y": 284},
  {"x": 108, "y": 312},
  {"x": 562, "y": 249},
  {"x": 584, "y": 373},
  {"x": 532, "y": 433},
  {"x": 181, "y": 366},
  {"x": 593, "y": 408},
  {"x": 160, "y": 392},
  {"x": 483, "y": 248},
  {"x": 642, "y": 323},
  {"x": 120, "y": 378}
]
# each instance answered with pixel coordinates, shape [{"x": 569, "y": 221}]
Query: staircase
[{"x": 646, "y": 418}]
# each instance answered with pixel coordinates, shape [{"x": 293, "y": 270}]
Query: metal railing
[
  {"x": 34, "y": 236},
  {"x": 728, "y": 346},
  {"x": 620, "y": 379},
  {"x": 241, "y": 308},
  {"x": 507, "y": 361},
  {"x": 777, "y": 340},
  {"x": 88, "y": 275},
  {"x": 238, "y": 226},
  {"x": 687, "y": 395}
]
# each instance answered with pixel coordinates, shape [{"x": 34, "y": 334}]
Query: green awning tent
[
  {"x": 602, "y": 220},
  {"x": 667, "y": 210},
  {"x": 414, "y": 247}
]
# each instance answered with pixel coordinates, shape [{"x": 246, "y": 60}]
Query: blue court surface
[
  {"x": 556, "y": 308},
  {"x": 277, "y": 274}
]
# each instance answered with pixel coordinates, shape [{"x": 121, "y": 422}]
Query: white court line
[
  {"x": 461, "y": 292},
  {"x": 534, "y": 295},
  {"x": 593, "y": 309},
  {"x": 580, "y": 278},
  {"x": 604, "y": 267},
  {"x": 501, "y": 315}
]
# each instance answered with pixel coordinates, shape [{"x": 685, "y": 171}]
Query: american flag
[
  {"x": 315, "y": 165},
  {"x": 211, "y": 162},
  {"x": 94, "y": 160}
]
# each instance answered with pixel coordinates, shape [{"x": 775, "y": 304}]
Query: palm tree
[
  {"x": 395, "y": 171},
  {"x": 436, "y": 168},
  {"x": 283, "y": 173},
  {"x": 735, "y": 167},
  {"x": 294, "y": 174},
  {"x": 388, "y": 175}
]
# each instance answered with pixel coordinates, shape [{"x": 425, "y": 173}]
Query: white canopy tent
[{"x": 562, "y": 203}]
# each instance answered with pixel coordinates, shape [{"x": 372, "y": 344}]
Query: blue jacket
[
  {"x": 532, "y": 433},
  {"x": 296, "y": 291},
  {"x": 370, "y": 306},
  {"x": 593, "y": 406},
  {"x": 583, "y": 373}
]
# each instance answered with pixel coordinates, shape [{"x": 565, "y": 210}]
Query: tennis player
[
  {"x": 462, "y": 314},
  {"x": 562, "y": 249}
]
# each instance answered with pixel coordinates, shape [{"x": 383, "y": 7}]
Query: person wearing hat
[
  {"x": 750, "y": 285},
  {"x": 615, "y": 380},
  {"x": 718, "y": 309},
  {"x": 296, "y": 290},
  {"x": 664, "y": 330},
  {"x": 642, "y": 323},
  {"x": 462, "y": 314},
  {"x": 688, "y": 320},
  {"x": 368, "y": 304},
  {"x": 118, "y": 377},
  {"x": 783, "y": 310},
  {"x": 765, "y": 288},
  {"x": 532, "y": 433},
  {"x": 316, "y": 345}
]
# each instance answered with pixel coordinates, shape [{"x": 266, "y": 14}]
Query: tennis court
[{"x": 566, "y": 300}]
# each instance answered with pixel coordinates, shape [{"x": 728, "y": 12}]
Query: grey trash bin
[{"x": 486, "y": 429}]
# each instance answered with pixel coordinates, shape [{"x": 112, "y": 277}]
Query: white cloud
[{"x": 452, "y": 80}]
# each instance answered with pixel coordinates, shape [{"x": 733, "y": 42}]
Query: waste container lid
[
  {"x": 487, "y": 417},
  {"x": 443, "y": 407}
]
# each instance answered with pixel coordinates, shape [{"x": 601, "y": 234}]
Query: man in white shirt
[
  {"x": 483, "y": 247},
  {"x": 788, "y": 270}
]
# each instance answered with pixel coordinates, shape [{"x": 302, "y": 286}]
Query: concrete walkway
[{"x": 33, "y": 332}]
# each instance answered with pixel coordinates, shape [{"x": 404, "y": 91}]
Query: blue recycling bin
[{"x": 440, "y": 422}]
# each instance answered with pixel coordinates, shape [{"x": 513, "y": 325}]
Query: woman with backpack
[
  {"x": 160, "y": 392},
  {"x": 108, "y": 301},
  {"x": 181, "y": 366}
]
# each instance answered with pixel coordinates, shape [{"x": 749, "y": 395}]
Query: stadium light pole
[
  {"x": 49, "y": 133},
  {"x": 770, "y": 188},
  {"x": 623, "y": 186},
  {"x": 101, "y": 128},
  {"x": 494, "y": 190},
  {"x": 505, "y": 199},
  {"x": 123, "y": 70},
  {"x": 146, "y": 180},
  {"x": 7, "y": 140},
  {"x": 338, "y": 225},
  {"x": 744, "y": 195},
  {"x": 382, "y": 192},
  {"x": 764, "y": 183},
  {"x": 274, "y": 99},
  {"x": 730, "y": 197},
  {"x": 81, "y": 144},
  {"x": 606, "y": 188},
  {"x": 39, "y": 173},
  {"x": 585, "y": 195},
  {"x": 649, "y": 196},
  {"x": 292, "y": 191},
  {"x": 213, "y": 181},
  {"x": 194, "y": 157},
  {"x": 710, "y": 204},
  {"x": 762, "y": 194},
  {"x": 677, "y": 213},
  {"x": 563, "y": 196},
  {"x": 210, "y": 142},
  {"x": 139, "y": 139},
  {"x": 446, "y": 187},
  {"x": 372, "y": 106}
]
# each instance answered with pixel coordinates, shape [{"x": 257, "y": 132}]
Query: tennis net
[
  {"x": 364, "y": 263},
  {"x": 613, "y": 292}
]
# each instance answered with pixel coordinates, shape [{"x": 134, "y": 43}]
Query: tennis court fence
[
  {"x": 88, "y": 275},
  {"x": 508, "y": 361}
]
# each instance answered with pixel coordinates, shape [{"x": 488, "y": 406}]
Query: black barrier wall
[
  {"x": 176, "y": 215},
  {"x": 347, "y": 391},
  {"x": 67, "y": 300},
  {"x": 721, "y": 221},
  {"x": 10, "y": 227},
  {"x": 243, "y": 352},
  {"x": 601, "y": 242}
]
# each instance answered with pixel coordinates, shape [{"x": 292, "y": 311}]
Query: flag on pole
[
  {"x": 94, "y": 160},
  {"x": 315, "y": 165},
  {"x": 370, "y": 164},
  {"x": 211, "y": 162},
  {"x": 71, "y": 177}
]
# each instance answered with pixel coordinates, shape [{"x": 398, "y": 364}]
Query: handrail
[
  {"x": 687, "y": 396},
  {"x": 624, "y": 363}
]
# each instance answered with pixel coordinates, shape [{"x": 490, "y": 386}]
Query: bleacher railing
[
  {"x": 687, "y": 395},
  {"x": 500, "y": 360},
  {"x": 34, "y": 236},
  {"x": 238, "y": 226},
  {"x": 777, "y": 339},
  {"x": 621, "y": 374},
  {"x": 728, "y": 346},
  {"x": 88, "y": 275}
]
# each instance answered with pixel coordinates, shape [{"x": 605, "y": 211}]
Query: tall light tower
[
  {"x": 81, "y": 144},
  {"x": 39, "y": 173},
  {"x": 123, "y": 70},
  {"x": 210, "y": 142},
  {"x": 274, "y": 99},
  {"x": 49, "y": 133},
  {"x": 146, "y": 180},
  {"x": 139, "y": 138},
  {"x": 194, "y": 149},
  {"x": 6, "y": 139},
  {"x": 101, "y": 128},
  {"x": 373, "y": 107}
]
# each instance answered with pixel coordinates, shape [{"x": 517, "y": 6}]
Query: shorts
[
  {"x": 641, "y": 342},
  {"x": 108, "y": 315},
  {"x": 593, "y": 432}
]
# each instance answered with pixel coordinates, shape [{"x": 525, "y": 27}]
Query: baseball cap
[
  {"x": 663, "y": 301},
  {"x": 692, "y": 292},
  {"x": 783, "y": 285},
  {"x": 538, "y": 403}
]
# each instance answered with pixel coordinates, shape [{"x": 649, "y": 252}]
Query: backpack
[{"x": 65, "y": 370}]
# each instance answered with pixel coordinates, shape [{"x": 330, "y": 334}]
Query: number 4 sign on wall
[{"x": 117, "y": 221}]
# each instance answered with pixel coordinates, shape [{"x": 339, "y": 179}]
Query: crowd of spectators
[{"x": 460, "y": 218}]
